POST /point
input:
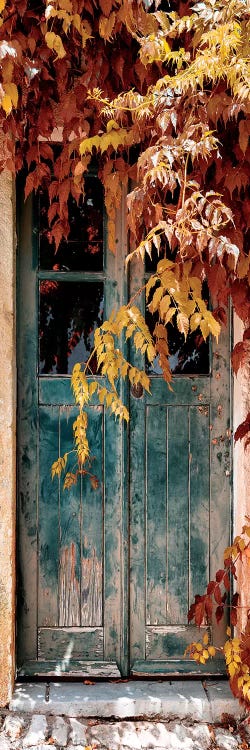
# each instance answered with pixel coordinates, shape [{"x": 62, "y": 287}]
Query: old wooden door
[
  {"x": 106, "y": 574},
  {"x": 71, "y": 572},
  {"x": 179, "y": 498}
]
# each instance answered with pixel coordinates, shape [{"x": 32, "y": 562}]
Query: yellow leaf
[
  {"x": 231, "y": 669},
  {"x": 156, "y": 299},
  {"x": 205, "y": 639},
  {"x": 211, "y": 650},
  {"x": 112, "y": 125},
  {"x": 228, "y": 631},
  {"x": 6, "y": 104},
  {"x": 93, "y": 387},
  {"x": 182, "y": 324},
  {"x": 54, "y": 42},
  {"x": 197, "y": 656},
  {"x": 106, "y": 26},
  {"x": 151, "y": 353},
  {"x": 169, "y": 315},
  {"x": 2, "y": 5},
  {"x": 241, "y": 544},
  {"x": 213, "y": 325},
  {"x": 195, "y": 321},
  {"x": 114, "y": 139},
  {"x": 164, "y": 305},
  {"x": 195, "y": 285},
  {"x": 11, "y": 90},
  {"x": 204, "y": 329}
]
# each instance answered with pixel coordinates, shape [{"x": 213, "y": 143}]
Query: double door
[{"x": 107, "y": 569}]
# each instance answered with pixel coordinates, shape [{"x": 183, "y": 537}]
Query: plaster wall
[
  {"x": 7, "y": 436},
  {"x": 241, "y": 471}
]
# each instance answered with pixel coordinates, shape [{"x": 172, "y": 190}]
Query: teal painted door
[
  {"x": 71, "y": 543},
  {"x": 179, "y": 499},
  {"x": 106, "y": 573}
]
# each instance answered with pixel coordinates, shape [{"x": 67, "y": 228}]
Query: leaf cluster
[{"x": 219, "y": 600}]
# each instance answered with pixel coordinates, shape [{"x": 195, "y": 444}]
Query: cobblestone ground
[{"x": 38, "y": 732}]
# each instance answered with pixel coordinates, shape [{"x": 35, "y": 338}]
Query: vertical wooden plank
[
  {"x": 156, "y": 514},
  {"x": 92, "y": 527},
  {"x": 178, "y": 514},
  {"x": 112, "y": 539},
  {"x": 138, "y": 531},
  {"x": 69, "y": 572},
  {"x": 48, "y": 517},
  {"x": 27, "y": 441},
  {"x": 199, "y": 499}
]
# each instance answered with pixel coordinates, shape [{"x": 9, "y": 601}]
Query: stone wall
[{"x": 7, "y": 436}]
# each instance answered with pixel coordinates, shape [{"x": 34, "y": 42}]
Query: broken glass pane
[{"x": 69, "y": 314}]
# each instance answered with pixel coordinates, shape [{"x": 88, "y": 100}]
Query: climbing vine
[{"x": 216, "y": 601}]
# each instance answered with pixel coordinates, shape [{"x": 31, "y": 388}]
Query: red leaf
[
  {"x": 233, "y": 616},
  {"x": 240, "y": 296},
  {"x": 210, "y": 587},
  {"x": 240, "y": 355},
  {"x": 226, "y": 582},
  {"x": 209, "y": 608},
  {"x": 243, "y": 428},
  {"x": 29, "y": 185},
  {"x": 217, "y": 594},
  {"x": 219, "y": 613},
  {"x": 216, "y": 276},
  {"x": 219, "y": 575},
  {"x": 199, "y": 613}
]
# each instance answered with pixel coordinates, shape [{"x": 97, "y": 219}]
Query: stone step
[{"x": 194, "y": 700}]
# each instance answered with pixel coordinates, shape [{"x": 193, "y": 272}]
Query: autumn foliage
[
  {"x": 215, "y": 603},
  {"x": 157, "y": 93}
]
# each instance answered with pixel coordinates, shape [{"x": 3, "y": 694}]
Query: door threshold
[
  {"x": 196, "y": 700},
  {"x": 62, "y": 669}
]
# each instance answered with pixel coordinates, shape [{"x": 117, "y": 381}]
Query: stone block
[
  {"x": 77, "y": 732},
  {"x": 13, "y": 726},
  {"x": 37, "y": 731},
  {"x": 59, "y": 731},
  {"x": 225, "y": 741}
]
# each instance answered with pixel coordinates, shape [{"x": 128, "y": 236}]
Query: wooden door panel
[
  {"x": 179, "y": 507},
  {"x": 70, "y": 522},
  {"x": 72, "y": 550}
]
